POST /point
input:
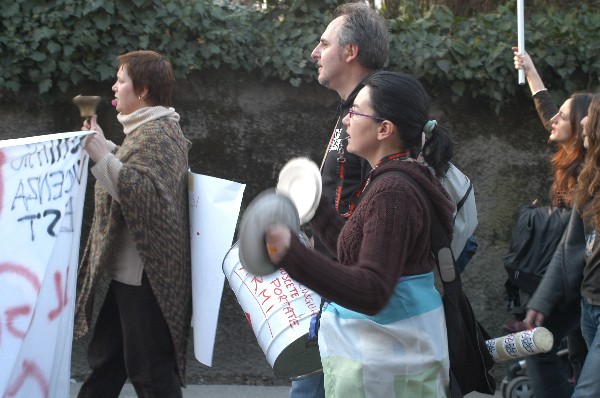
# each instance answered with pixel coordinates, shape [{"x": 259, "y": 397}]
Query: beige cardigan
[{"x": 126, "y": 266}]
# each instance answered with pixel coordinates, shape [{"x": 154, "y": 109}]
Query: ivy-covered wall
[{"x": 58, "y": 45}]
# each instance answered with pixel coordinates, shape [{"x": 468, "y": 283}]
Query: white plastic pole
[{"x": 521, "y": 36}]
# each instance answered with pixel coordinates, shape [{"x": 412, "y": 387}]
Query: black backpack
[{"x": 535, "y": 236}]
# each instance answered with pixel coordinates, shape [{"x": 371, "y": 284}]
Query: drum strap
[{"x": 315, "y": 322}]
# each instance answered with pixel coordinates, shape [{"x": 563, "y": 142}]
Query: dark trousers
[
  {"x": 131, "y": 339},
  {"x": 577, "y": 351}
]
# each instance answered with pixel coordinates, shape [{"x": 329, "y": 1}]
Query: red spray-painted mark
[
  {"x": 22, "y": 310},
  {"x": 61, "y": 295},
  {"x": 33, "y": 371},
  {"x": 11, "y": 314},
  {"x": 22, "y": 271}
]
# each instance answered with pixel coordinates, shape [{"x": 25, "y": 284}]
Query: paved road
[
  {"x": 239, "y": 365},
  {"x": 233, "y": 391},
  {"x": 212, "y": 391}
]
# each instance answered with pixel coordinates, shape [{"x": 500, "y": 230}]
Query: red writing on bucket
[
  {"x": 283, "y": 299},
  {"x": 278, "y": 293},
  {"x": 279, "y": 297},
  {"x": 260, "y": 292},
  {"x": 308, "y": 300}
]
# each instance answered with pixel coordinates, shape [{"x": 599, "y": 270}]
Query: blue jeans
[
  {"x": 467, "y": 253},
  {"x": 308, "y": 387},
  {"x": 549, "y": 373},
  {"x": 588, "y": 385}
]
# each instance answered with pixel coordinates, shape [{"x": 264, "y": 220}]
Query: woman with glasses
[{"x": 383, "y": 331}]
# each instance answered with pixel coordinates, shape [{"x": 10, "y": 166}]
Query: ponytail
[
  {"x": 401, "y": 99},
  {"x": 438, "y": 149}
]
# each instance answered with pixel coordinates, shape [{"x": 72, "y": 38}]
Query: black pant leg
[
  {"x": 148, "y": 348},
  {"x": 577, "y": 351},
  {"x": 105, "y": 354}
]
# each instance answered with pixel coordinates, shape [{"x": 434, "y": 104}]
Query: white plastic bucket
[{"x": 279, "y": 311}]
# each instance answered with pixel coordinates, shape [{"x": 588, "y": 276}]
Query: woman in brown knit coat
[{"x": 140, "y": 238}]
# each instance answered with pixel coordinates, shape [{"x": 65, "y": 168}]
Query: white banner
[
  {"x": 214, "y": 210},
  {"x": 42, "y": 190}
]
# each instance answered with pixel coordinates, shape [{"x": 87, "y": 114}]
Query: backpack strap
[
  {"x": 440, "y": 241},
  {"x": 462, "y": 201}
]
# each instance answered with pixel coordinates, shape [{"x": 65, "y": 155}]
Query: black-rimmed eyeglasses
[{"x": 352, "y": 112}]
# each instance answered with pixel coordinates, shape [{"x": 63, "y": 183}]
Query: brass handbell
[{"x": 87, "y": 104}]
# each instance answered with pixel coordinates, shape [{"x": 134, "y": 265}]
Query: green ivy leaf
[
  {"x": 45, "y": 86},
  {"x": 443, "y": 65},
  {"x": 38, "y": 56},
  {"x": 106, "y": 71},
  {"x": 458, "y": 88},
  {"x": 10, "y": 10}
]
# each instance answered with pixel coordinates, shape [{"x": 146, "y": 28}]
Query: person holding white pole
[
  {"x": 546, "y": 371},
  {"x": 521, "y": 35}
]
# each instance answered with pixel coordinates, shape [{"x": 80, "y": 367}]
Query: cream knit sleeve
[{"x": 106, "y": 172}]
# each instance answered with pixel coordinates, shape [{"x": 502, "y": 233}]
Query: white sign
[
  {"x": 214, "y": 210},
  {"x": 42, "y": 190}
]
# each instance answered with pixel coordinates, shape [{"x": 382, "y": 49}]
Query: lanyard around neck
[{"x": 363, "y": 185}]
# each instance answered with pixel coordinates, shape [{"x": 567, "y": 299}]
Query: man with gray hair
[{"x": 354, "y": 45}]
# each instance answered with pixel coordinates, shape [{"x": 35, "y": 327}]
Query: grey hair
[{"x": 364, "y": 27}]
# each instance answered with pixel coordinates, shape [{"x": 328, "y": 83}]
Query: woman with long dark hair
[
  {"x": 564, "y": 126},
  {"x": 586, "y": 197},
  {"x": 581, "y": 276},
  {"x": 546, "y": 371}
]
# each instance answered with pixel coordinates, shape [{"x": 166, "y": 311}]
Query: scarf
[{"x": 144, "y": 115}]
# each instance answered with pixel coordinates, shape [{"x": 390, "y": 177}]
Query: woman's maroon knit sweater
[{"x": 385, "y": 238}]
